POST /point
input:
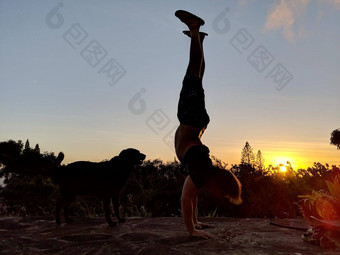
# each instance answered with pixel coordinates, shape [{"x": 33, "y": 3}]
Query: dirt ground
[{"x": 151, "y": 236}]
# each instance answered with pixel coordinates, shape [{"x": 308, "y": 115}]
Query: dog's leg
[
  {"x": 115, "y": 202},
  {"x": 106, "y": 204},
  {"x": 57, "y": 211},
  {"x": 67, "y": 202}
]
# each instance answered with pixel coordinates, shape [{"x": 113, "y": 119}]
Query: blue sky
[{"x": 272, "y": 77}]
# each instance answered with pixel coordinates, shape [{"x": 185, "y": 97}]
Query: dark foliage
[
  {"x": 154, "y": 189},
  {"x": 335, "y": 138},
  {"x": 24, "y": 173}
]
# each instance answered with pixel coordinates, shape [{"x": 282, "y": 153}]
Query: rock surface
[{"x": 151, "y": 236}]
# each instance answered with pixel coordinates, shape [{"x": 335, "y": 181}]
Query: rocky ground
[{"x": 151, "y": 236}]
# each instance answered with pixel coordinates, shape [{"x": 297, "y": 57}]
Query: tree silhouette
[
  {"x": 25, "y": 174},
  {"x": 27, "y": 145},
  {"x": 259, "y": 162},
  {"x": 247, "y": 155},
  {"x": 335, "y": 138},
  {"x": 37, "y": 148}
]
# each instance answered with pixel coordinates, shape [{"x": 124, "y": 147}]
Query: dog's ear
[
  {"x": 125, "y": 154},
  {"x": 59, "y": 159}
]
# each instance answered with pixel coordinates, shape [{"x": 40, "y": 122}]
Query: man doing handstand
[{"x": 193, "y": 118}]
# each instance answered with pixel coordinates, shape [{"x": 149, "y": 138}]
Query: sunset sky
[{"x": 91, "y": 78}]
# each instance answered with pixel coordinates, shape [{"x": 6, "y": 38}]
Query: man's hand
[
  {"x": 201, "y": 225},
  {"x": 199, "y": 233}
]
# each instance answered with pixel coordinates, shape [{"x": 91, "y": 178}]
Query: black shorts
[
  {"x": 191, "y": 106},
  {"x": 197, "y": 163}
]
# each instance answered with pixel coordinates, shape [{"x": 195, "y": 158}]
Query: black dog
[{"x": 104, "y": 179}]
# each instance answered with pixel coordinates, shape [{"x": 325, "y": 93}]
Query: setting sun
[
  {"x": 285, "y": 159},
  {"x": 283, "y": 169}
]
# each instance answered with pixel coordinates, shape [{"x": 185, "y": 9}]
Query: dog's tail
[
  {"x": 59, "y": 159},
  {"x": 54, "y": 171}
]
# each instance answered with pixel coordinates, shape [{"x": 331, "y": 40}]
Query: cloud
[
  {"x": 283, "y": 15},
  {"x": 334, "y": 3},
  {"x": 245, "y": 2},
  {"x": 242, "y": 2}
]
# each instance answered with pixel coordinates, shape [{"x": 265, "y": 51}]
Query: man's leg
[
  {"x": 202, "y": 36},
  {"x": 191, "y": 107},
  {"x": 196, "y": 54},
  {"x": 194, "y": 58},
  {"x": 196, "y": 51}
]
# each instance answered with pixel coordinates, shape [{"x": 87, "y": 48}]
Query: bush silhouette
[{"x": 154, "y": 189}]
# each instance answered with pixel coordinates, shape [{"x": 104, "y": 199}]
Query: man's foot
[
  {"x": 191, "y": 20},
  {"x": 202, "y": 34}
]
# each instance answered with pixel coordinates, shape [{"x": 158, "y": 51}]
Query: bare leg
[
  {"x": 202, "y": 36},
  {"x": 203, "y": 65},
  {"x": 196, "y": 53}
]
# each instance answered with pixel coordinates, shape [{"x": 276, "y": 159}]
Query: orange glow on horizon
[
  {"x": 299, "y": 155},
  {"x": 284, "y": 160},
  {"x": 296, "y": 162}
]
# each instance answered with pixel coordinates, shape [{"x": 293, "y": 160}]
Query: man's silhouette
[{"x": 193, "y": 117}]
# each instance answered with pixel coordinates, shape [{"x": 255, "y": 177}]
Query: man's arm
[
  {"x": 197, "y": 224},
  {"x": 189, "y": 195}
]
